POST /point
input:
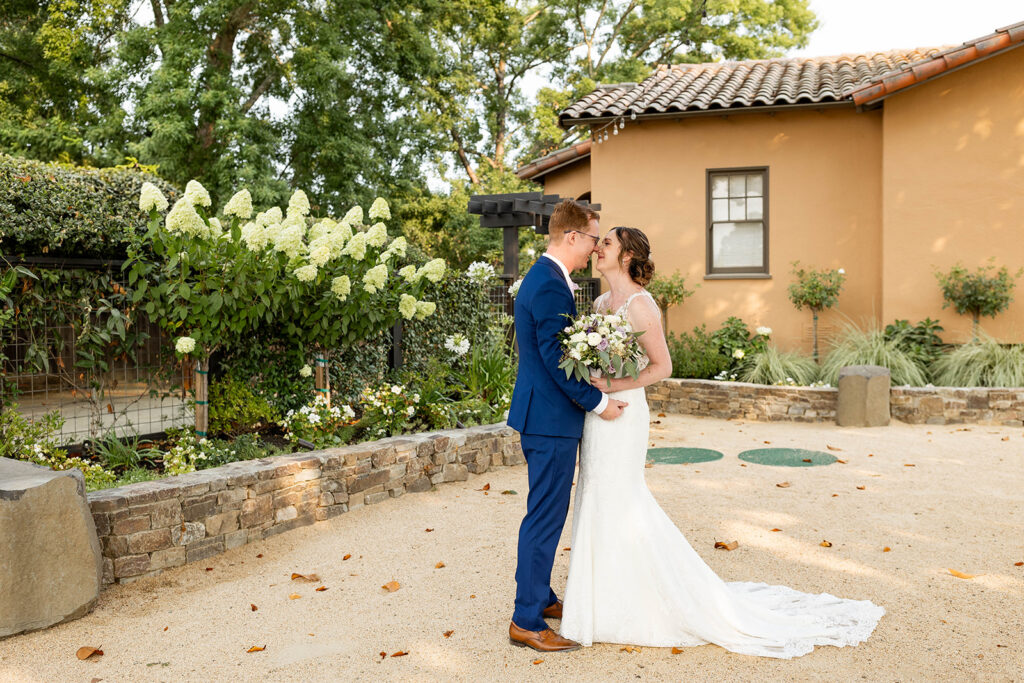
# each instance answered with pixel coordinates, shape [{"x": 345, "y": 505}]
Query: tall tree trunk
[
  {"x": 814, "y": 312},
  {"x": 501, "y": 115}
]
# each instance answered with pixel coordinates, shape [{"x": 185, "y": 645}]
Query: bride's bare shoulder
[{"x": 601, "y": 303}]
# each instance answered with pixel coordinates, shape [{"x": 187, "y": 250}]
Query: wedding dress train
[{"x": 634, "y": 579}]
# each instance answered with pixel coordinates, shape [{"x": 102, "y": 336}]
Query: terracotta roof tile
[
  {"x": 721, "y": 85},
  {"x": 549, "y": 162},
  {"x": 855, "y": 78}
]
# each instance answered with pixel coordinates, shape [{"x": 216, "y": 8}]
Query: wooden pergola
[{"x": 516, "y": 210}]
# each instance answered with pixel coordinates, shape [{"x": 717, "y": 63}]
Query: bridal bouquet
[{"x": 598, "y": 344}]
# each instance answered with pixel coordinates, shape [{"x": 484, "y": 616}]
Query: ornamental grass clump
[
  {"x": 771, "y": 366},
  {"x": 983, "y": 362},
  {"x": 871, "y": 347}
]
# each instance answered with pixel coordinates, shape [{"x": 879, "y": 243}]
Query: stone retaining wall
[
  {"x": 951, "y": 405},
  {"x": 727, "y": 400},
  {"x": 916, "y": 405},
  {"x": 147, "y": 527}
]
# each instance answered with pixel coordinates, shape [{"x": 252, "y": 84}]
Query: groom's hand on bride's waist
[{"x": 614, "y": 409}]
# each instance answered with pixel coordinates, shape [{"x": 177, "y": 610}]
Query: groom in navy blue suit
[{"x": 548, "y": 410}]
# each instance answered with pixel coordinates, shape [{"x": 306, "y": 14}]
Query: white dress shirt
[{"x": 568, "y": 283}]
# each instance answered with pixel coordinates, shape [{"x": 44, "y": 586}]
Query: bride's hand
[{"x": 602, "y": 384}]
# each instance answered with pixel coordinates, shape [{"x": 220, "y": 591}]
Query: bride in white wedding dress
[{"x": 633, "y": 577}]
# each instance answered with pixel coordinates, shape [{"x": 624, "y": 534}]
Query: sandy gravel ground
[{"x": 960, "y": 506}]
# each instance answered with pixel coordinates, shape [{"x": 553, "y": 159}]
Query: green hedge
[{"x": 54, "y": 210}]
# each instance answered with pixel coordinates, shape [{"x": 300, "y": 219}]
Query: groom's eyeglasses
[{"x": 593, "y": 237}]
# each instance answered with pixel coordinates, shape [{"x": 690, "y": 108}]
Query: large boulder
[
  {"x": 50, "y": 562},
  {"x": 863, "y": 396}
]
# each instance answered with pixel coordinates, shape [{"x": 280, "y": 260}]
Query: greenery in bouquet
[
  {"x": 320, "y": 423},
  {"x": 597, "y": 342}
]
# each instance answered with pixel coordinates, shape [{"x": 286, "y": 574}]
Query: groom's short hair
[{"x": 569, "y": 215}]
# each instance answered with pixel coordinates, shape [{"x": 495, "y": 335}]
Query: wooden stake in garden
[
  {"x": 321, "y": 376},
  {"x": 202, "y": 411}
]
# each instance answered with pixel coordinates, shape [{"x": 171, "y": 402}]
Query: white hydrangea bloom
[
  {"x": 320, "y": 229},
  {"x": 185, "y": 345},
  {"x": 306, "y": 371},
  {"x": 738, "y": 353},
  {"x": 320, "y": 251},
  {"x": 150, "y": 197},
  {"x": 254, "y": 236},
  {"x": 398, "y": 246},
  {"x": 375, "y": 278},
  {"x": 377, "y": 235},
  {"x": 842, "y": 271},
  {"x": 356, "y": 246},
  {"x": 380, "y": 209},
  {"x": 480, "y": 271},
  {"x": 270, "y": 216},
  {"x": 215, "y": 227},
  {"x": 425, "y": 309},
  {"x": 341, "y": 286},
  {"x": 306, "y": 273},
  {"x": 764, "y": 331},
  {"x": 288, "y": 238},
  {"x": 239, "y": 205},
  {"x": 409, "y": 273},
  {"x": 354, "y": 216},
  {"x": 182, "y": 219},
  {"x": 433, "y": 270},
  {"x": 407, "y": 306},
  {"x": 196, "y": 194},
  {"x": 343, "y": 230},
  {"x": 298, "y": 205},
  {"x": 513, "y": 289}
]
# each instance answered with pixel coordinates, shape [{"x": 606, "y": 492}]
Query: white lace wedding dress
[{"x": 635, "y": 580}]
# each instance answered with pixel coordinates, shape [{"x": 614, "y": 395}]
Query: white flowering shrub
[
  {"x": 37, "y": 442},
  {"x": 390, "y": 408},
  {"x": 457, "y": 344},
  {"x": 319, "y": 423},
  {"x": 191, "y": 454}
]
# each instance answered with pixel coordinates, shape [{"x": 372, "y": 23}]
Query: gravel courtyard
[{"x": 940, "y": 497}]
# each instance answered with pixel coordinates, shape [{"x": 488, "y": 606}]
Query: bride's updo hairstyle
[{"x": 641, "y": 267}]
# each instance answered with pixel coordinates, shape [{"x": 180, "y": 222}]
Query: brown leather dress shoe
[
  {"x": 541, "y": 641},
  {"x": 553, "y": 611}
]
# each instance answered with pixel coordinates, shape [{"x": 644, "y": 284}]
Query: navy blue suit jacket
[{"x": 544, "y": 402}]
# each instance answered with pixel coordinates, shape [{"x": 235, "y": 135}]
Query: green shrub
[
  {"x": 983, "y": 362},
  {"x": 977, "y": 293},
  {"x": 921, "y": 341},
  {"x": 668, "y": 291},
  {"x": 771, "y": 366},
  {"x": 489, "y": 375},
  {"x": 870, "y": 347},
  {"x": 124, "y": 453},
  {"x": 696, "y": 355},
  {"x": 66, "y": 211},
  {"x": 817, "y": 290},
  {"x": 236, "y": 409}
]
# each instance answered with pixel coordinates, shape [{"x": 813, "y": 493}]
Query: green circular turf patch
[
  {"x": 787, "y": 457},
  {"x": 679, "y": 456}
]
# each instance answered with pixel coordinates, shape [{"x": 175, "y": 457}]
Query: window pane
[
  {"x": 737, "y": 245},
  {"x": 719, "y": 186},
  {"x": 737, "y": 186},
  {"x": 737, "y": 211},
  {"x": 754, "y": 185},
  {"x": 755, "y": 208},
  {"x": 719, "y": 209}
]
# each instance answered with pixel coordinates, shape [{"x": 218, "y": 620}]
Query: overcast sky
[{"x": 878, "y": 25}]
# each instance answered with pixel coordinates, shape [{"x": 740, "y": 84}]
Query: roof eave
[{"x": 569, "y": 122}]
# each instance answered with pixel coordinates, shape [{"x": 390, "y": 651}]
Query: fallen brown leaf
[
  {"x": 731, "y": 545},
  {"x": 439, "y": 565},
  {"x": 487, "y": 487},
  {"x": 448, "y": 634},
  {"x": 391, "y": 586},
  {"x": 648, "y": 465},
  {"x": 1018, "y": 564},
  {"x": 909, "y": 465},
  {"x": 86, "y": 652},
  {"x": 165, "y": 628},
  {"x": 294, "y": 596},
  {"x": 825, "y": 544},
  {"x": 428, "y": 530},
  {"x": 776, "y": 529},
  {"x": 312, "y": 578},
  {"x": 783, "y": 485},
  {"x": 767, "y": 441},
  {"x": 807, "y": 459},
  {"x": 840, "y": 461},
  {"x": 253, "y": 607},
  {"x": 833, "y": 448},
  {"x": 400, "y": 653},
  {"x": 677, "y": 651},
  {"x": 473, "y": 595},
  {"x": 656, "y": 422},
  {"x": 861, "y": 488},
  {"x": 347, "y": 556},
  {"x": 661, "y": 414},
  {"x": 259, "y": 555},
  {"x": 537, "y": 661},
  {"x": 509, "y": 492},
  {"x": 1005, "y": 438},
  {"x": 383, "y": 655},
  {"x": 257, "y": 648},
  {"x": 321, "y": 589},
  {"x": 835, "y": 495},
  {"x": 629, "y": 648},
  {"x": 209, "y": 569},
  {"x": 567, "y": 548},
  {"x": 961, "y": 575},
  {"x": 886, "y": 549}
]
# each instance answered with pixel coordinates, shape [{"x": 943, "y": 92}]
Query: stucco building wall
[{"x": 953, "y": 189}]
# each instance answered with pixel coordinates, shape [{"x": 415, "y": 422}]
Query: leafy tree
[
  {"x": 817, "y": 290},
  {"x": 667, "y": 292},
  {"x": 978, "y": 293}
]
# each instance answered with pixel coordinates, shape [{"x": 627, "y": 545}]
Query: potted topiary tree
[
  {"x": 978, "y": 293},
  {"x": 817, "y": 290}
]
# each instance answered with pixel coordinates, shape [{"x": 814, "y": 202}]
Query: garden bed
[
  {"x": 767, "y": 403},
  {"x": 150, "y": 526}
]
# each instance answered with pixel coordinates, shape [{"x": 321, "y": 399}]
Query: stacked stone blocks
[{"x": 147, "y": 527}]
